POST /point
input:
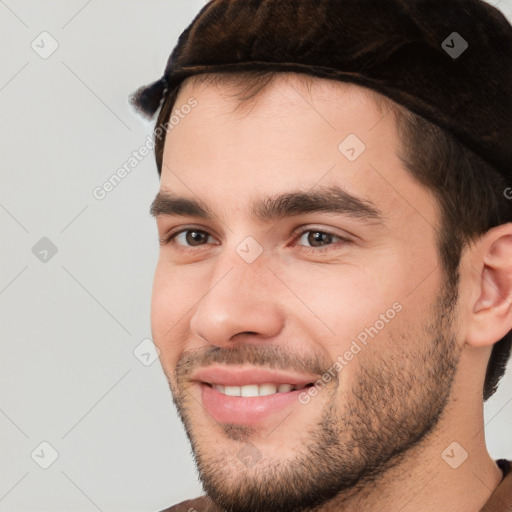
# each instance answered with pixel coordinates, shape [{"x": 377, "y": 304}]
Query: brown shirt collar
[{"x": 501, "y": 498}]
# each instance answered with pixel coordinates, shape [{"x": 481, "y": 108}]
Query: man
[{"x": 332, "y": 301}]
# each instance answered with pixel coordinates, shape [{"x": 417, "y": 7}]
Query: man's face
[{"x": 268, "y": 293}]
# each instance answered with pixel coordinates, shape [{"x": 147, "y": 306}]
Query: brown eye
[
  {"x": 317, "y": 241},
  {"x": 188, "y": 238},
  {"x": 193, "y": 237},
  {"x": 317, "y": 238}
]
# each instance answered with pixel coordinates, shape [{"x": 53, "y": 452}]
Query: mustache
[{"x": 268, "y": 356}]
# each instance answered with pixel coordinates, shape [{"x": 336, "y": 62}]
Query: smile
[{"x": 241, "y": 394}]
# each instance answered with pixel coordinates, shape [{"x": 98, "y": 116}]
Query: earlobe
[{"x": 492, "y": 311}]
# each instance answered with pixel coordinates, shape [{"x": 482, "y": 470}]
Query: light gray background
[{"x": 70, "y": 325}]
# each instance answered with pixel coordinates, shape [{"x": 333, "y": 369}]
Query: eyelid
[{"x": 328, "y": 231}]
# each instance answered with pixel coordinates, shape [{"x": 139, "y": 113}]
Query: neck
[{"x": 449, "y": 469}]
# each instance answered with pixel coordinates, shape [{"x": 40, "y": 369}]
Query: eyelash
[{"x": 297, "y": 234}]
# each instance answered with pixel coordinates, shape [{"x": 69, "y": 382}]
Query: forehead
[
  {"x": 292, "y": 134},
  {"x": 244, "y": 90},
  {"x": 298, "y": 114}
]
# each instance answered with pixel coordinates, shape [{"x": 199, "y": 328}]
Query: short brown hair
[{"x": 469, "y": 191}]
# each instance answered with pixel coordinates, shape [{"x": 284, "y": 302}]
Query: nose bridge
[{"x": 238, "y": 299}]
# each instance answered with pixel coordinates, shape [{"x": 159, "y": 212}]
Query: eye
[
  {"x": 190, "y": 237},
  {"x": 317, "y": 238}
]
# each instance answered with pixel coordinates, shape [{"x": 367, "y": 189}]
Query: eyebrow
[{"x": 330, "y": 199}]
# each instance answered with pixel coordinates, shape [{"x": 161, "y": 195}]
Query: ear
[{"x": 491, "y": 317}]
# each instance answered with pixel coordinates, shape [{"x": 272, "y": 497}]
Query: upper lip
[{"x": 242, "y": 376}]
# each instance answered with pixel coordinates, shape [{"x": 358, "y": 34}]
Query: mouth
[{"x": 241, "y": 395}]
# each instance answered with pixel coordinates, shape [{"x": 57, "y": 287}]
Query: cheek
[
  {"x": 342, "y": 301},
  {"x": 172, "y": 297},
  {"x": 342, "y": 308}
]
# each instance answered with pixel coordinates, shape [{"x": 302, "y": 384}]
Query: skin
[{"x": 373, "y": 438}]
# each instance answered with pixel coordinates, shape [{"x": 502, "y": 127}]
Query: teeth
[
  {"x": 267, "y": 389},
  {"x": 232, "y": 390},
  {"x": 252, "y": 390}
]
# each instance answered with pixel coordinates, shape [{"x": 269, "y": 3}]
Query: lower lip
[{"x": 244, "y": 410}]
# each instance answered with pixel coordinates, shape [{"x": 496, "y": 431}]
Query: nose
[{"x": 241, "y": 304}]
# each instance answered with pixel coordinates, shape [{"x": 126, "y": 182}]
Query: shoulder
[{"x": 201, "y": 504}]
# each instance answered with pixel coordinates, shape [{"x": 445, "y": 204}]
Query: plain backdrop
[{"x": 77, "y": 391}]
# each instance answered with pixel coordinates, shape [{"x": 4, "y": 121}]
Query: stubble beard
[{"x": 365, "y": 429}]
